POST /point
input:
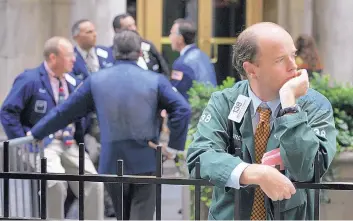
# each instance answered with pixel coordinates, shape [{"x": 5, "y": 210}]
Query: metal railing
[
  {"x": 122, "y": 179},
  {"x": 23, "y": 194}
]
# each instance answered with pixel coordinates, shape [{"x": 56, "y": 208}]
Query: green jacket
[{"x": 299, "y": 136}]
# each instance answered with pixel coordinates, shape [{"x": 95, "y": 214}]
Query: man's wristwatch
[{"x": 289, "y": 110}]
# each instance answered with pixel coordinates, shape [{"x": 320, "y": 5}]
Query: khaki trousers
[{"x": 63, "y": 159}]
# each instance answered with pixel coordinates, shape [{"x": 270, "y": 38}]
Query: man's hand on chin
[{"x": 294, "y": 88}]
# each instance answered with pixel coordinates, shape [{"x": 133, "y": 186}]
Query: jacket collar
[
  {"x": 125, "y": 62},
  {"x": 256, "y": 102},
  {"x": 44, "y": 76},
  {"x": 186, "y": 49}
]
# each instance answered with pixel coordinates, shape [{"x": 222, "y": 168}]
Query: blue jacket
[
  {"x": 29, "y": 100},
  {"x": 127, "y": 100},
  {"x": 193, "y": 65},
  {"x": 105, "y": 58}
]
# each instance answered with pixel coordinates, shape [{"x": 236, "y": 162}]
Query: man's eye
[{"x": 279, "y": 60}]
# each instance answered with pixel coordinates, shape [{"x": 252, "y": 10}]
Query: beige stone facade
[{"x": 27, "y": 24}]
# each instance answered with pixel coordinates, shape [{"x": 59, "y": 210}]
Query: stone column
[
  {"x": 295, "y": 16},
  {"x": 27, "y": 24},
  {"x": 283, "y": 14},
  {"x": 101, "y": 12},
  {"x": 61, "y": 18},
  {"x": 270, "y": 10},
  {"x": 332, "y": 28},
  {"x": 24, "y": 28},
  {"x": 308, "y": 17}
]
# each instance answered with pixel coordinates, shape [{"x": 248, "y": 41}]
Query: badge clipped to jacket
[{"x": 239, "y": 108}]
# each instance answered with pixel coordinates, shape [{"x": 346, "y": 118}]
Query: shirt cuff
[{"x": 234, "y": 178}]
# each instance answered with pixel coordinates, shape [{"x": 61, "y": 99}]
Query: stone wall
[
  {"x": 332, "y": 29},
  {"x": 27, "y": 24}
]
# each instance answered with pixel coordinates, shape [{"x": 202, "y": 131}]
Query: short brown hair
[
  {"x": 187, "y": 30},
  {"x": 244, "y": 49}
]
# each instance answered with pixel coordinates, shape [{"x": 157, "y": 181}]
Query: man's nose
[{"x": 292, "y": 63}]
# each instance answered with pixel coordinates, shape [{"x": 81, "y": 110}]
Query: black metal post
[
  {"x": 197, "y": 191},
  {"x": 120, "y": 205},
  {"x": 81, "y": 184},
  {"x": 237, "y": 196},
  {"x": 159, "y": 186},
  {"x": 43, "y": 189},
  {"x": 317, "y": 191},
  {"x": 6, "y": 181}
]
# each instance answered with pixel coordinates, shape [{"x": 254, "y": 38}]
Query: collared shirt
[
  {"x": 55, "y": 87},
  {"x": 142, "y": 63},
  {"x": 256, "y": 102},
  {"x": 55, "y": 83},
  {"x": 92, "y": 54},
  {"x": 182, "y": 52}
]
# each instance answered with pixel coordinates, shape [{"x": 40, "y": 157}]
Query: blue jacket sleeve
[
  {"x": 76, "y": 106},
  {"x": 178, "y": 110},
  {"x": 186, "y": 82},
  {"x": 13, "y": 106}
]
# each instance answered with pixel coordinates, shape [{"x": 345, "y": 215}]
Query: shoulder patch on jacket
[
  {"x": 177, "y": 75},
  {"x": 102, "y": 53}
]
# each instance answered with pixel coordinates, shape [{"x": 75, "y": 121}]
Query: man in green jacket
[{"x": 274, "y": 110}]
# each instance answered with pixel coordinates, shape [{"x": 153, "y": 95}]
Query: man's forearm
[{"x": 252, "y": 174}]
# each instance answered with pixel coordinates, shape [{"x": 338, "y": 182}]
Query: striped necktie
[
  {"x": 61, "y": 92},
  {"x": 67, "y": 133}
]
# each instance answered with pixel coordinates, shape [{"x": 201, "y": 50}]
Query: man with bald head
[
  {"x": 274, "y": 119},
  {"x": 34, "y": 93}
]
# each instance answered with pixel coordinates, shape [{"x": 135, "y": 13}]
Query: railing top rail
[
  {"x": 155, "y": 180},
  {"x": 19, "y": 141}
]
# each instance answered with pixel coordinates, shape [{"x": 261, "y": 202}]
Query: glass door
[{"x": 218, "y": 24}]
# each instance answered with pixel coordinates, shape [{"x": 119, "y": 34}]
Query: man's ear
[
  {"x": 249, "y": 69},
  {"x": 52, "y": 57}
]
